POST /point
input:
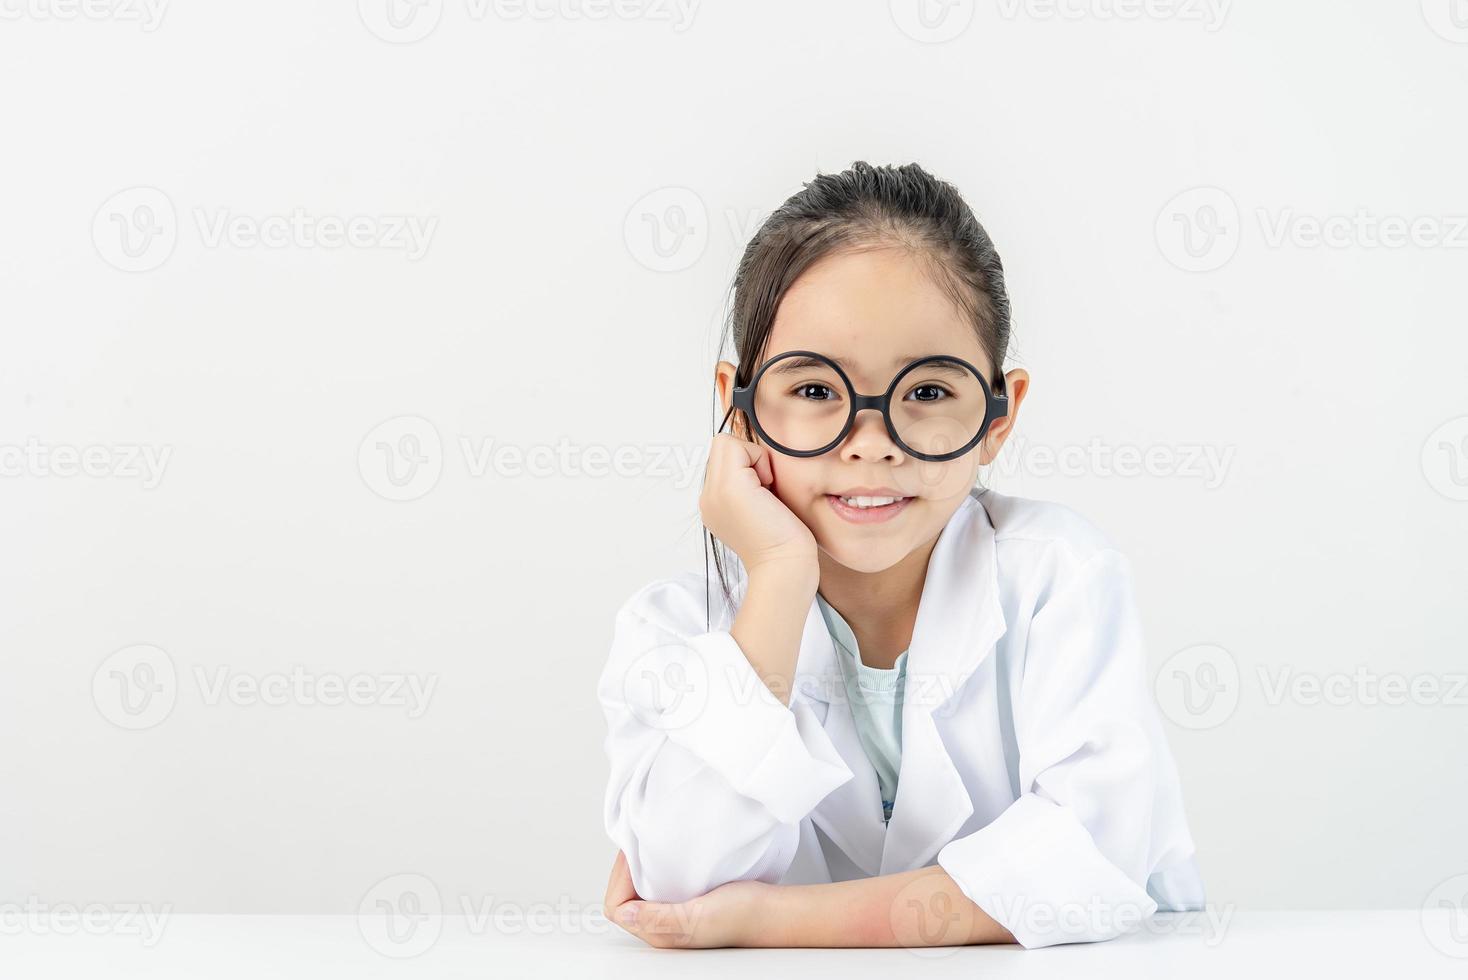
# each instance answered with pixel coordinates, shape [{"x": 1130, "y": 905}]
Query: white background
[{"x": 585, "y": 185}]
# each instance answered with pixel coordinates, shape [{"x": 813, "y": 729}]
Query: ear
[{"x": 1016, "y": 385}]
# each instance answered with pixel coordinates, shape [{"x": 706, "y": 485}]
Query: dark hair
[{"x": 862, "y": 208}]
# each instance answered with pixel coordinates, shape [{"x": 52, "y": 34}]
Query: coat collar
[{"x": 959, "y": 620}]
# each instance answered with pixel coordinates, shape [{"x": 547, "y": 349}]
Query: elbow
[
  {"x": 661, "y": 880},
  {"x": 670, "y": 864}
]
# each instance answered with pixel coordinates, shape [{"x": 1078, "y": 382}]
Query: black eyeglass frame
[{"x": 996, "y": 407}]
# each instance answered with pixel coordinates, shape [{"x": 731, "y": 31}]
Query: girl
[{"x": 918, "y": 714}]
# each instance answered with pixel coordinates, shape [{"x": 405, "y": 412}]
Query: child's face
[{"x": 879, "y": 309}]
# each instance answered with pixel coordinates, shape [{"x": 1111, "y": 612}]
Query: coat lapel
[
  {"x": 959, "y": 620},
  {"x": 851, "y": 814}
]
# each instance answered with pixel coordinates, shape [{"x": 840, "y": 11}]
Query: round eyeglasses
[{"x": 803, "y": 404}]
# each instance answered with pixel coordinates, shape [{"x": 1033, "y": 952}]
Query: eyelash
[
  {"x": 936, "y": 386},
  {"x": 801, "y": 388},
  {"x": 817, "y": 384}
]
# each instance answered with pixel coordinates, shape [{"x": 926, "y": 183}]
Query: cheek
[{"x": 796, "y": 480}]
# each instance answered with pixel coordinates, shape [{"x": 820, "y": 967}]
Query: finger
[
  {"x": 658, "y": 923},
  {"x": 753, "y": 456},
  {"x": 719, "y": 450},
  {"x": 762, "y": 465},
  {"x": 619, "y": 886},
  {"x": 627, "y": 915},
  {"x": 730, "y": 459}
]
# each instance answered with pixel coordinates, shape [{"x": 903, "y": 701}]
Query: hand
[
  {"x": 727, "y": 916},
  {"x": 741, "y": 510}
]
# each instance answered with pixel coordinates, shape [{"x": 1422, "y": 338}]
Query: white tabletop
[{"x": 1247, "y": 945}]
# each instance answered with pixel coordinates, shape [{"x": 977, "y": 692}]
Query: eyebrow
[{"x": 800, "y": 363}]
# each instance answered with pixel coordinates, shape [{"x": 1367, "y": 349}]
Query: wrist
[
  {"x": 774, "y": 921},
  {"x": 798, "y": 576}
]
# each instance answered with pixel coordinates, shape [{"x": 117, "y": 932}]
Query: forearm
[
  {"x": 915, "y": 908},
  {"x": 770, "y": 622}
]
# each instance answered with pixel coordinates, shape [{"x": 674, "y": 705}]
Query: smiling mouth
[{"x": 867, "y": 510}]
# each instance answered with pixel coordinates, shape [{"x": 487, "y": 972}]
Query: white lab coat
[{"x": 1034, "y": 766}]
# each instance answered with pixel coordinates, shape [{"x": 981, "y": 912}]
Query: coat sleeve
[
  {"x": 1098, "y": 812},
  {"x": 710, "y": 773}
]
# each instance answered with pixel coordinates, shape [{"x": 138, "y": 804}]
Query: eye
[
  {"x": 815, "y": 391},
  {"x": 930, "y": 393}
]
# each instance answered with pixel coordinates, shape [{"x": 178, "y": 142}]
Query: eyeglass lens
[{"x": 803, "y": 403}]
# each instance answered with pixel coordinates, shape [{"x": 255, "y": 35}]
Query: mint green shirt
[{"x": 875, "y": 696}]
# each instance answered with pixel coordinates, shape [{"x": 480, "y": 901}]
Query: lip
[
  {"x": 867, "y": 515},
  {"x": 870, "y": 492}
]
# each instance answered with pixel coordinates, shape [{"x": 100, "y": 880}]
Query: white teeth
[{"x": 869, "y": 501}]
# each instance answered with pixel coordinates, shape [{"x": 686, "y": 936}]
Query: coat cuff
[
  {"x": 1036, "y": 871},
  {"x": 777, "y": 755}
]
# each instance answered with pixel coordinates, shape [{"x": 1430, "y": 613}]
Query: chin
[{"x": 867, "y": 557}]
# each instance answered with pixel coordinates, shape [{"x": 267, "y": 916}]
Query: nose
[{"x": 868, "y": 439}]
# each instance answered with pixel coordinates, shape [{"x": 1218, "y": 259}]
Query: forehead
[{"x": 874, "y": 309}]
